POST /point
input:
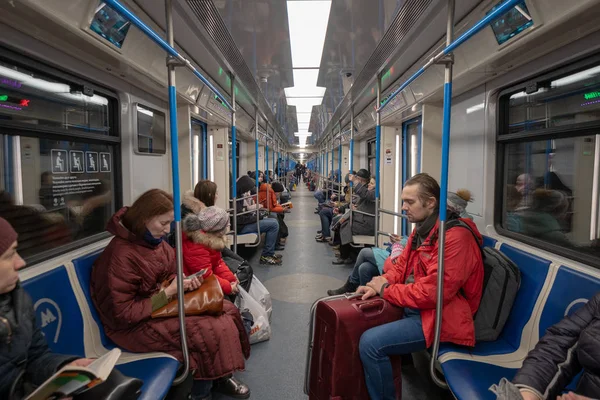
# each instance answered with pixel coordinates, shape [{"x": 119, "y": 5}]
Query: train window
[
  {"x": 55, "y": 192},
  {"x": 371, "y": 155},
  {"x": 565, "y": 101},
  {"x": 30, "y": 100},
  {"x": 551, "y": 166},
  {"x": 110, "y": 25},
  {"x": 152, "y": 135}
]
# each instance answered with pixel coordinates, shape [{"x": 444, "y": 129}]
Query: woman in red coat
[
  {"x": 126, "y": 289},
  {"x": 203, "y": 240}
]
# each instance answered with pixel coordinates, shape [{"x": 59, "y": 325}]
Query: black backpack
[{"x": 501, "y": 282}]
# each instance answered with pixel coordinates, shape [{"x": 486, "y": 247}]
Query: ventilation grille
[
  {"x": 209, "y": 17},
  {"x": 408, "y": 15}
]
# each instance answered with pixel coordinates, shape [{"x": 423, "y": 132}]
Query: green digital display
[{"x": 592, "y": 95}]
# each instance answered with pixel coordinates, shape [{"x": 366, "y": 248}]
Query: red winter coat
[
  {"x": 463, "y": 283},
  {"x": 203, "y": 250},
  {"x": 269, "y": 202},
  {"x": 125, "y": 277}
]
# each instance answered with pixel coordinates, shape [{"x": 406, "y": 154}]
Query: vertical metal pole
[
  {"x": 443, "y": 199},
  {"x": 351, "y": 155},
  {"x": 204, "y": 151},
  {"x": 340, "y": 191},
  {"x": 404, "y": 169},
  {"x": 234, "y": 161},
  {"x": 377, "y": 155},
  {"x": 176, "y": 194},
  {"x": 256, "y": 170}
]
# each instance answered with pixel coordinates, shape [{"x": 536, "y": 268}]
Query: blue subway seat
[
  {"x": 488, "y": 241},
  {"x": 157, "y": 372},
  {"x": 470, "y": 380},
  {"x": 57, "y": 311},
  {"x": 533, "y": 275}
]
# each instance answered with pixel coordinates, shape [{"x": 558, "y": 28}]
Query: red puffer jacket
[
  {"x": 203, "y": 250},
  {"x": 269, "y": 201},
  {"x": 126, "y": 275},
  {"x": 463, "y": 283}
]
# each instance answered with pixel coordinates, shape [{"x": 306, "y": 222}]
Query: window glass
[
  {"x": 152, "y": 135},
  {"x": 55, "y": 192},
  {"x": 549, "y": 192},
  {"x": 570, "y": 100},
  {"x": 371, "y": 146},
  {"x": 34, "y": 100}
]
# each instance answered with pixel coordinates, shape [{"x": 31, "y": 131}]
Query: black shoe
[
  {"x": 279, "y": 247},
  {"x": 340, "y": 261},
  {"x": 232, "y": 387},
  {"x": 348, "y": 287},
  {"x": 323, "y": 239}
]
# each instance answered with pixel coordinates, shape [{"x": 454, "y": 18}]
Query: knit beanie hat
[
  {"x": 457, "y": 202},
  {"x": 7, "y": 235},
  {"x": 244, "y": 184},
  {"x": 277, "y": 187},
  {"x": 213, "y": 220},
  {"x": 363, "y": 173}
]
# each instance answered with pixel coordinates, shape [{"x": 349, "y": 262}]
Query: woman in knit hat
[
  {"x": 203, "y": 239},
  {"x": 457, "y": 203}
]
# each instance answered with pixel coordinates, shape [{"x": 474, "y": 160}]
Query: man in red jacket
[{"x": 410, "y": 281}]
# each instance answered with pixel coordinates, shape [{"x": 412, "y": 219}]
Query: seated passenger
[
  {"x": 410, "y": 281},
  {"x": 457, "y": 203},
  {"x": 568, "y": 348},
  {"x": 25, "y": 359},
  {"x": 365, "y": 268},
  {"x": 278, "y": 189},
  {"x": 126, "y": 288},
  {"x": 246, "y": 223},
  {"x": 362, "y": 224},
  {"x": 203, "y": 240}
]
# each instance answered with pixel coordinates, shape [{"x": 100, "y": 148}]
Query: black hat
[
  {"x": 363, "y": 173},
  {"x": 277, "y": 187},
  {"x": 244, "y": 184}
]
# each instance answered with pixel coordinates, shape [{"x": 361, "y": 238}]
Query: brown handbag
[{"x": 207, "y": 299}]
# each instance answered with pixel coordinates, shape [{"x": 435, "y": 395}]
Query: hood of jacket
[
  {"x": 208, "y": 239},
  {"x": 115, "y": 226},
  {"x": 192, "y": 203}
]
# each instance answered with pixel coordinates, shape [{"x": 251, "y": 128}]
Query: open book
[{"x": 72, "y": 380}]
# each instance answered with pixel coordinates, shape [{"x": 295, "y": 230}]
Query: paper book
[{"x": 72, "y": 380}]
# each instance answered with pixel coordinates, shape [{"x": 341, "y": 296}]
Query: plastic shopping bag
[
  {"x": 259, "y": 292},
  {"x": 261, "y": 328}
]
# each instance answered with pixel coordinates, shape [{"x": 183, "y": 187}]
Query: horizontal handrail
[
  {"x": 504, "y": 7},
  {"x": 364, "y": 213},
  {"x": 128, "y": 15},
  {"x": 382, "y": 210},
  {"x": 244, "y": 198}
]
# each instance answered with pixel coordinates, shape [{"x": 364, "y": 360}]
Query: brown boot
[{"x": 232, "y": 387}]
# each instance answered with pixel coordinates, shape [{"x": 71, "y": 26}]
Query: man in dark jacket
[
  {"x": 567, "y": 348},
  {"x": 25, "y": 359}
]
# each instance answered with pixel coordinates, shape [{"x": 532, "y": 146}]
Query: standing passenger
[{"x": 126, "y": 289}]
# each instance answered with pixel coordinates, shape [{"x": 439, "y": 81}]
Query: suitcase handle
[{"x": 371, "y": 309}]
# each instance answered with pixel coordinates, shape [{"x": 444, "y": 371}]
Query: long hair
[
  {"x": 428, "y": 187},
  {"x": 206, "y": 191},
  {"x": 150, "y": 204}
]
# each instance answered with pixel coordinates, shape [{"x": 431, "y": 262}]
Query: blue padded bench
[
  {"x": 570, "y": 290},
  {"x": 157, "y": 373},
  {"x": 470, "y": 379},
  {"x": 488, "y": 241},
  {"x": 57, "y": 311}
]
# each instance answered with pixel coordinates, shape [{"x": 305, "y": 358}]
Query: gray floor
[{"x": 275, "y": 369}]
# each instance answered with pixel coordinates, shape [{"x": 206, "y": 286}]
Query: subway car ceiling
[
  {"x": 141, "y": 63},
  {"x": 137, "y": 62}
]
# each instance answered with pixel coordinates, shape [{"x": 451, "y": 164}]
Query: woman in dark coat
[{"x": 125, "y": 286}]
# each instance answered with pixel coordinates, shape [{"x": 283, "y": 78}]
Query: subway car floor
[{"x": 275, "y": 370}]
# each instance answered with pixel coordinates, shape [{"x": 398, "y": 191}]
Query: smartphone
[{"x": 199, "y": 273}]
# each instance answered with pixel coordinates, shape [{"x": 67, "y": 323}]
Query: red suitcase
[{"x": 333, "y": 367}]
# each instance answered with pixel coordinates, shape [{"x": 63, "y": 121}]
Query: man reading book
[{"x": 25, "y": 359}]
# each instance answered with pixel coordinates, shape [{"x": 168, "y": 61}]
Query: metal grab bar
[
  {"x": 364, "y": 213},
  {"x": 168, "y": 47},
  {"x": 381, "y": 210},
  {"x": 250, "y": 196}
]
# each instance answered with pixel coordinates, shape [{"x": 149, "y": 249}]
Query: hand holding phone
[{"x": 198, "y": 274}]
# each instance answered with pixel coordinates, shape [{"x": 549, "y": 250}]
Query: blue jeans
[
  {"x": 379, "y": 343},
  {"x": 201, "y": 389},
  {"x": 270, "y": 227},
  {"x": 326, "y": 215},
  {"x": 320, "y": 196},
  {"x": 365, "y": 268}
]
